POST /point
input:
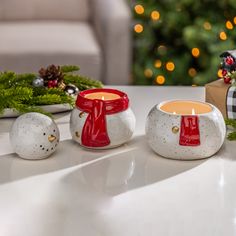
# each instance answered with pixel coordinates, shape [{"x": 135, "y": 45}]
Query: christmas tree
[{"x": 178, "y": 42}]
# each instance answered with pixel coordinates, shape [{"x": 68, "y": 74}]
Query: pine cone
[{"x": 52, "y": 72}]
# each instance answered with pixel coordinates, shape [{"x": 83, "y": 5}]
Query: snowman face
[
  {"x": 48, "y": 140},
  {"x": 34, "y": 136}
]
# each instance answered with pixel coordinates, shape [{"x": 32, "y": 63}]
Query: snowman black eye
[
  {"x": 47, "y": 150},
  {"x": 44, "y": 133},
  {"x": 54, "y": 130},
  {"x": 40, "y": 145}
]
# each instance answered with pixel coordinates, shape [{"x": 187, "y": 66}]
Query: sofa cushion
[
  {"x": 44, "y": 10},
  {"x": 25, "y": 47}
]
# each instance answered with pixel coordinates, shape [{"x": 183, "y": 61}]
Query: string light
[
  {"x": 207, "y": 25},
  {"x": 138, "y": 28},
  {"x": 155, "y": 15},
  {"x": 148, "y": 73},
  {"x": 235, "y": 20},
  {"x": 139, "y": 9},
  {"x": 219, "y": 73},
  {"x": 195, "y": 52},
  {"x": 170, "y": 66},
  {"x": 160, "y": 79},
  {"x": 158, "y": 63},
  {"x": 229, "y": 25},
  {"x": 192, "y": 72},
  {"x": 223, "y": 35}
]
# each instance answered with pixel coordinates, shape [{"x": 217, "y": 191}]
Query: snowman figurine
[{"x": 34, "y": 136}]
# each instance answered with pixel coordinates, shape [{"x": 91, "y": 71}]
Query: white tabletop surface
[{"x": 126, "y": 191}]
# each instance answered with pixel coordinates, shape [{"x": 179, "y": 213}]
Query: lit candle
[
  {"x": 182, "y": 107},
  {"x": 102, "y": 96}
]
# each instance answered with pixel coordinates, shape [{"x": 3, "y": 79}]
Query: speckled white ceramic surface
[
  {"x": 30, "y": 134},
  {"x": 120, "y": 126},
  {"x": 166, "y": 143}
]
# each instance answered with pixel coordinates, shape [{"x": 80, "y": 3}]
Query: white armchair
[{"x": 94, "y": 34}]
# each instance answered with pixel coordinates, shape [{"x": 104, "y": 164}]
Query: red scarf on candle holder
[
  {"x": 189, "y": 132},
  {"x": 94, "y": 133}
]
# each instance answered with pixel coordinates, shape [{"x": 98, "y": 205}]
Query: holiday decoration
[
  {"x": 34, "y": 136},
  {"x": 71, "y": 90},
  {"x": 102, "y": 119},
  {"x": 178, "y": 42},
  {"x": 26, "y": 92},
  {"x": 38, "y": 82},
  {"x": 228, "y": 66},
  {"x": 185, "y": 130}
]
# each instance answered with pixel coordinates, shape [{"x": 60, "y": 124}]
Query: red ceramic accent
[
  {"x": 189, "y": 131},
  {"x": 94, "y": 132}
]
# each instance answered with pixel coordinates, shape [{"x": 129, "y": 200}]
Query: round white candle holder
[
  {"x": 116, "y": 128},
  {"x": 165, "y": 135}
]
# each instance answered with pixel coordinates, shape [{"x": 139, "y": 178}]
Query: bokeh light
[
  {"x": 207, "y": 25},
  {"x": 158, "y": 63},
  {"x": 138, "y": 28},
  {"x": 235, "y": 20},
  {"x": 229, "y": 25},
  {"x": 170, "y": 66},
  {"x": 139, "y": 9},
  {"x": 192, "y": 72},
  {"x": 148, "y": 73},
  {"x": 223, "y": 35},
  {"x": 160, "y": 79},
  {"x": 195, "y": 52},
  {"x": 219, "y": 73},
  {"x": 155, "y": 15}
]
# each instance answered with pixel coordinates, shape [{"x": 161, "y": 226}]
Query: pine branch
[
  {"x": 232, "y": 136},
  {"x": 230, "y": 122},
  {"x": 82, "y": 82},
  {"x": 69, "y": 69}
]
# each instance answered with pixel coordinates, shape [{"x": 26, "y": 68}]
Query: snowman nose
[{"x": 51, "y": 138}]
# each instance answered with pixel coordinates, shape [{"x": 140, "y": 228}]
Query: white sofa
[{"x": 94, "y": 34}]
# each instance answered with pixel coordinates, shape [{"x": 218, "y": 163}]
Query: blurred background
[
  {"x": 178, "y": 42},
  {"x": 141, "y": 42}
]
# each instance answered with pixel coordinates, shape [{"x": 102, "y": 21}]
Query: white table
[{"x": 126, "y": 191}]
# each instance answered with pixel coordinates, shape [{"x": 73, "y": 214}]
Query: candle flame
[
  {"x": 103, "y": 98},
  {"x": 193, "y": 112},
  {"x": 174, "y": 113}
]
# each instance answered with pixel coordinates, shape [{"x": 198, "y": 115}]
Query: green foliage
[
  {"x": 231, "y": 122},
  {"x": 182, "y": 26},
  {"x": 68, "y": 68},
  {"x": 81, "y": 82},
  {"x": 17, "y": 92}
]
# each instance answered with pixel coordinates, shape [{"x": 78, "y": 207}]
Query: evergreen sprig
[
  {"x": 231, "y": 122},
  {"x": 18, "y": 93}
]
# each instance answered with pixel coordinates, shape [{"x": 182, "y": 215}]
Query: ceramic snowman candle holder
[
  {"x": 185, "y": 130},
  {"x": 102, "y": 119}
]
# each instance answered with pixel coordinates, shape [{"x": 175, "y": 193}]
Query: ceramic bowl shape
[
  {"x": 182, "y": 137},
  {"x": 34, "y": 136},
  {"x": 99, "y": 124}
]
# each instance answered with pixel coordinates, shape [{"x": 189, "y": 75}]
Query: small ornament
[
  {"x": 52, "y": 83},
  {"x": 34, "y": 136},
  {"x": 224, "y": 72},
  {"x": 38, "y": 82},
  {"x": 229, "y": 60},
  {"x": 227, "y": 80},
  {"x": 71, "y": 90}
]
